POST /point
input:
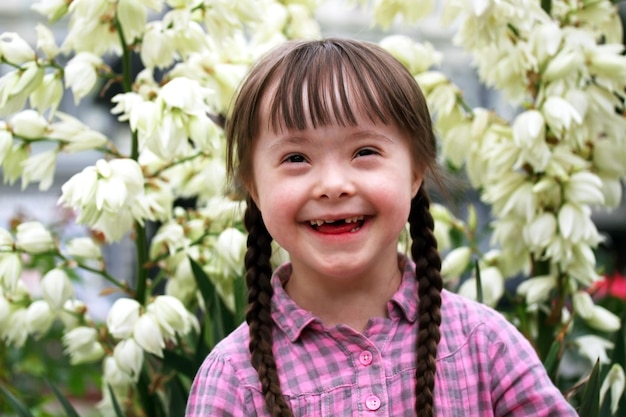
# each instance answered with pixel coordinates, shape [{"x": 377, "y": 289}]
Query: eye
[
  {"x": 366, "y": 152},
  {"x": 295, "y": 158}
]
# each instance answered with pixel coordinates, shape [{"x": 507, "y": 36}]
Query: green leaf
[
  {"x": 221, "y": 318},
  {"x": 178, "y": 396},
  {"x": 150, "y": 401},
  {"x": 19, "y": 408},
  {"x": 70, "y": 411},
  {"x": 479, "y": 283},
  {"x": 116, "y": 404},
  {"x": 590, "y": 402},
  {"x": 179, "y": 363},
  {"x": 551, "y": 363}
]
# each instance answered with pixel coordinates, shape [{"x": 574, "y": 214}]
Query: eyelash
[
  {"x": 366, "y": 152},
  {"x": 291, "y": 158}
]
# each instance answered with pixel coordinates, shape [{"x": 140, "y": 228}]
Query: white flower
[
  {"x": 615, "y": 380},
  {"x": 10, "y": 270},
  {"x": 147, "y": 334},
  {"x": 575, "y": 222},
  {"x": 129, "y": 357},
  {"x": 114, "y": 376},
  {"x": 48, "y": 94},
  {"x": 33, "y": 237},
  {"x": 6, "y": 240},
  {"x": 14, "y": 49},
  {"x": 455, "y": 262},
  {"x": 540, "y": 231},
  {"x": 584, "y": 188},
  {"x": 157, "y": 47},
  {"x": 75, "y": 135},
  {"x": 537, "y": 289},
  {"x": 28, "y": 124},
  {"x": 13, "y": 166},
  {"x": 39, "y": 317},
  {"x": 416, "y": 57},
  {"x": 40, "y": 167},
  {"x": 583, "y": 304},
  {"x": 386, "y": 10},
  {"x": 52, "y": 9},
  {"x": 492, "y": 284},
  {"x": 5, "y": 311},
  {"x": 122, "y": 317},
  {"x": 56, "y": 288},
  {"x": 84, "y": 248},
  {"x": 603, "y": 320},
  {"x": 74, "y": 311},
  {"x": 593, "y": 347},
  {"x": 171, "y": 315},
  {"x": 565, "y": 62},
  {"x": 231, "y": 248},
  {"x": 82, "y": 345},
  {"x": 560, "y": 114},
  {"x": 81, "y": 74},
  {"x": 46, "y": 42},
  {"x": 132, "y": 17},
  {"x": 15, "y": 331}
]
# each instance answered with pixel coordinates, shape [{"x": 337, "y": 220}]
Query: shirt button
[
  {"x": 365, "y": 358},
  {"x": 372, "y": 403}
]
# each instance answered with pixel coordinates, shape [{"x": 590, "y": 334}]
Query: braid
[
  {"x": 258, "y": 316},
  {"x": 427, "y": 272}
]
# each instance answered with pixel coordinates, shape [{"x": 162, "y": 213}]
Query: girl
[{"x": 331, "y": 140}]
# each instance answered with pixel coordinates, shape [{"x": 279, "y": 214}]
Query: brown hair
[{"x": 316, "y": 83}]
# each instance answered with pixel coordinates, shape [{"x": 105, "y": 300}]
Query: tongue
[{"x": 336, "y": 228}]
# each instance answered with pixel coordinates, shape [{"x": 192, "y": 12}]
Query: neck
[{"x": 352, "y": 302}]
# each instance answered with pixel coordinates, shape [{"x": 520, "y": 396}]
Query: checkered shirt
[{"x": 485, "y": 367}]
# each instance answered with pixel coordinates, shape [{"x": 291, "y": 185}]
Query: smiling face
[
  {"x": 332, "y": 138},
  {"x": 335, "y": 197}
]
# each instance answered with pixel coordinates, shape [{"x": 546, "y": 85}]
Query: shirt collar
[{"x": 292, "y": 319}]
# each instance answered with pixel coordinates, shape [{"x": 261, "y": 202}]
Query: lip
[{"x": 340, "y": 235}]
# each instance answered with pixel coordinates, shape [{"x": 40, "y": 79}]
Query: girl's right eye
[{"x": 295, "y": 158}]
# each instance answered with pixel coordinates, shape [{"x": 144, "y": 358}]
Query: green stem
[
  {"x": 141, "y": 241},
  {"x": 546, "y": 5}
]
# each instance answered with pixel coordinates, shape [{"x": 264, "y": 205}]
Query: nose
[{"x": 334, "y": 182}]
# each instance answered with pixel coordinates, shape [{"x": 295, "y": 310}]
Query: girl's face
[{"x": 336, "y": 198}]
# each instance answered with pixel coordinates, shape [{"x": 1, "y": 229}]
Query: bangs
[{"x": 329, "y": 83}]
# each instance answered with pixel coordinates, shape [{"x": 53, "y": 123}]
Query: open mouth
[{"x": 348, "y": 225}]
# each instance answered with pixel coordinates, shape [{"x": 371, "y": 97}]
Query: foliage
[{"x": 560, "y": 62}]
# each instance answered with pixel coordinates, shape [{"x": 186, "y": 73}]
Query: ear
[{"x": 418, "y": 179}]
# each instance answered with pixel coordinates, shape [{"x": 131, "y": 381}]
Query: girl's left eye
[{"x": 366, "y": 152}]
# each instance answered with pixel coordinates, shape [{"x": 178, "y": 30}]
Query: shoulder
[
  {"x": 230, "y": 355},
  {"x": 465, "y": 320}
]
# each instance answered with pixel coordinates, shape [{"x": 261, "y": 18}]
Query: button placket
[{"x": 365, "y": 358}]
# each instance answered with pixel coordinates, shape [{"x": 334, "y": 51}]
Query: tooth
[
  {"x": 329, "y": 221},
  {"x": 359, "y": 218},
  {"x": 319, "y": 222}
]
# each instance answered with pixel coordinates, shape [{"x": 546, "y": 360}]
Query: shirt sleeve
[
  {"x": 521, "y": 385},
  {"x": 216, "y": 391}
]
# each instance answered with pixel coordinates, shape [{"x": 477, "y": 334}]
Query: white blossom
[
  {"x": 28, "y": 124},
  {"x": 33, "y": 237},
  {"x": 147, "y": 333},
  {"x": 40, "y": 167},
  {"x": 48, "y": 94},
  {"x": 455, "y": 262},
  {"x": 81, "y": 74},
  {"x": 84, "y": 248},
  {"x": 14, "y": 49},
  {"x": 593, "y": 347},
  {"x": 615, "y": 380},
  {"x": 129, "y": 357},
  {"x": 171, "y": 315},
  {"x": 82, "y": 345},
  {"x": 10, "y": 270},
  {"x": 122, "y": 317},
  {"x": 46, "y": 42},
  {"x": 15, "y": 331},
  {"x": 56, "y": 288},
  {"x": 39, "y": 317},
  {"x": 537, "y": 289}
]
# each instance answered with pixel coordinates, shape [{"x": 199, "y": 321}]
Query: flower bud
[
  {"x": 492, "y": 286},
  {"x": 39, "y": 318},
  {"x": 16, "y": 331},
  {"x": 593, "y": 347},
  {"x": 584, "y": 188},
  {"x": 29, "y": 124},
  {"x": 46, "y": 42},
  {"x": 114, "y": 376},
  {"x": 603, "y": 320},
  {"x": 122, "y": 317},
  {"x": 48, "y": 94},
  {"x": 615, "y": 380},
  {"x": 583, "y": 304},
  {"x": 82, "y": 345},
  {"x": 231, "y": 248},
  {"x": 14, "y": 49},
  {"x": 540, "y": 231},
  {"x": 56, "y": 288},
  {"x": 10, "y": 270},
  {"x": 81, "y": 74},
  {"x": 32, "y": 237},
  {"x": 171, "y": 315},
  {"x": 147, "y": 334},
  {"x": 455, "y": 262},
  {"x": 537, "y": 289},
  {"x": 129, "y": 357},
  {"x": 40, "y": 167},
  {"x": 84, "y": 248},
  {"x": 6, "y": 240}
]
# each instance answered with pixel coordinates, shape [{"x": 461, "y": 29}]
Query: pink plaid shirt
[{"x": 485, "y": 367}]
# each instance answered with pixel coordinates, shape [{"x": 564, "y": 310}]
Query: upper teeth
[{"x": 347, "y": 220}]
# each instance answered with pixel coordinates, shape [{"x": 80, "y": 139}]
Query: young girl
[{"x": 331, "y": 140}]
